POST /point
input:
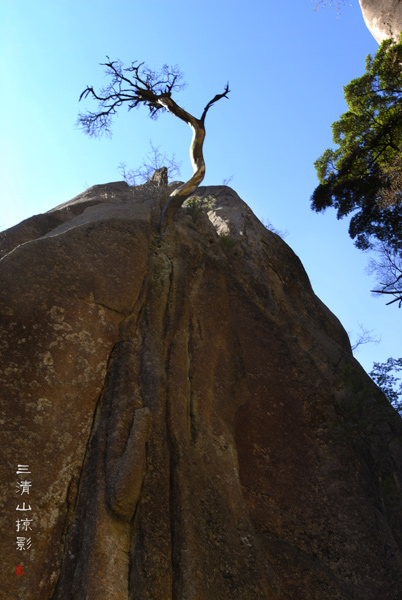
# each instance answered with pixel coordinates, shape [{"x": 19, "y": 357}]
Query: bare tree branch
[
  {"x": 215, "y": 99},
  {"x": 364, "y": 336},
  {"x": 154, "y": 160},
  {"x": 388, "y": 270}
]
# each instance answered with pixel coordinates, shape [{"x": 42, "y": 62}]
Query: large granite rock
[
  {"x": 383, "y": 18},
  {"x": 192, "y": 416}
]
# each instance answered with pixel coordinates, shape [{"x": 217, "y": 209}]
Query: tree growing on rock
[{"x": 136, "y": 85}]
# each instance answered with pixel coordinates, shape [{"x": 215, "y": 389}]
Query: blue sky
[{"x": 286, "y": 64}]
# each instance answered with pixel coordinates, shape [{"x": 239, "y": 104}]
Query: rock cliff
[
  {"x": 191, "y": 416},
  {"x": 383, "y": 18}
]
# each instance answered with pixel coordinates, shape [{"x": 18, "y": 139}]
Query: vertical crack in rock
[
  {"x": 192, "y": 392},
  {"x": 204, "y": 387},
  {"x": 99, "y": 537},
  {"x": 151, "y": 571}
]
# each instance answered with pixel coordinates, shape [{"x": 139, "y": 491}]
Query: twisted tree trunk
[
  {"x": 180, "y": 194},
  {"x": 144, "y": 86}
]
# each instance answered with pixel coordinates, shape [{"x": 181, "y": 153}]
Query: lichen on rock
[{"x": 383, "y": 18}]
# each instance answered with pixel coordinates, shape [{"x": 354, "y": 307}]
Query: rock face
[
  {"x": 192, "y": 416},
  {"x": 383, "y": 18}
]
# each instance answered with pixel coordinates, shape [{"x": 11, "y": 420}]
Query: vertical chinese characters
[{"x": 23, "y": 522}]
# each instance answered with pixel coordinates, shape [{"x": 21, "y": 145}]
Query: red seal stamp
[{"x": 19, "y": 570}]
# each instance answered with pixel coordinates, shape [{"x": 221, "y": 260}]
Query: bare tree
[
  {"x": 136, "y": 85},
  {"x": 364, "y": 336},
  {"x": 388, "y": 270},
  {"x": 154, "y": 160}
]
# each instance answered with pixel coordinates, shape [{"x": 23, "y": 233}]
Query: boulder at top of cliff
[
  {"x": 181, "y": 416},
  {"x": 383, "y": 18}
]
